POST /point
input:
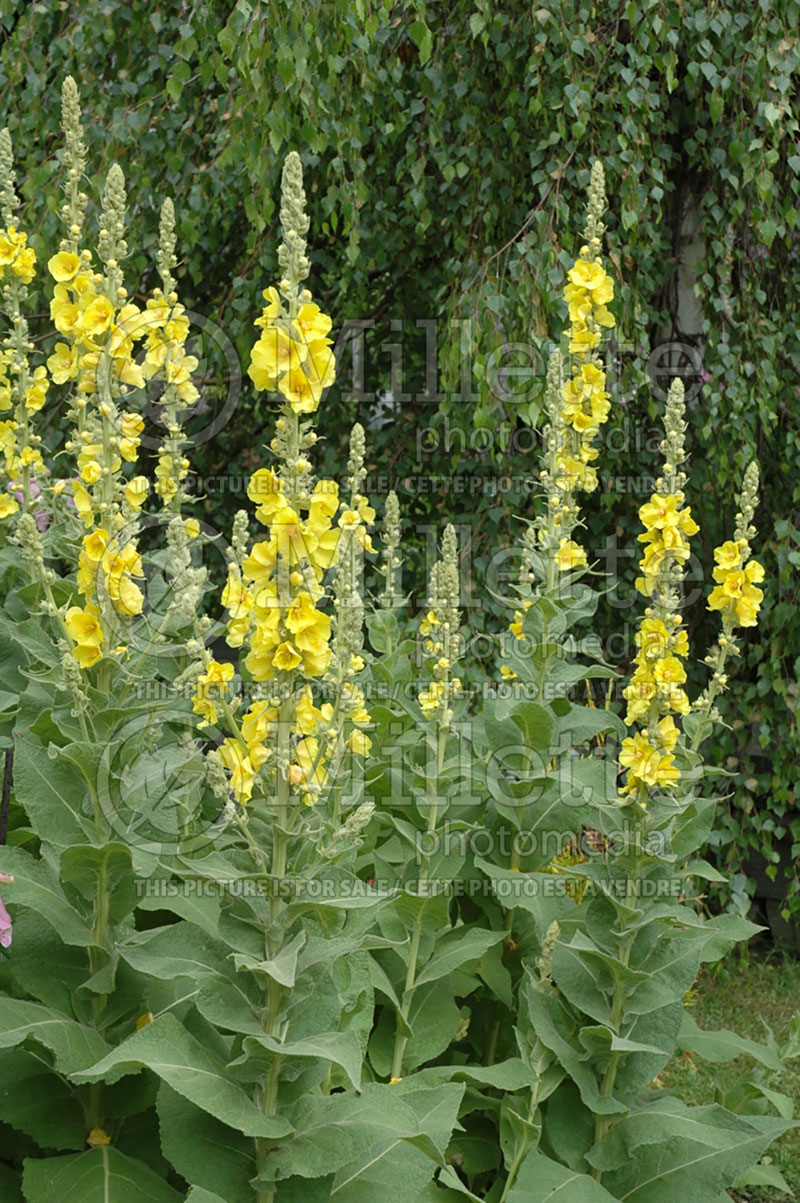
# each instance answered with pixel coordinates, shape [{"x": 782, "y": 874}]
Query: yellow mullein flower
[
  {"x": 311, "y": 322},
  {"x": 570, "y": 555},
  {"x": 136, "y": 491},
  {"x": 274, "y": 354},
  {"x": 64, "y": 266},
  {"x": 208, "y": 688},
  {"x": 63, "y": 363}
]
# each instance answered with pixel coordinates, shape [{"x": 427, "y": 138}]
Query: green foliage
[
  {"x": 448, "y": 144},
  {"x": 416, "y": 1004}
]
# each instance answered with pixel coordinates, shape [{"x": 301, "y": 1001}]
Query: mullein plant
[
  {"x": 236, "y": 1010},
  {"x": 22, "y": 389},
  {"x": 604, "y": 971},
  {"x": 577, "y": 404},
  {"x": 242, "y": 986},
  {"x": 69, "y": 642},
  {"x": 279, "y": 611},
  {"x": 286, "y": 975},
  {"x": 598, "y": 971}
]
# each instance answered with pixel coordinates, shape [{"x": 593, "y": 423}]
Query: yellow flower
[
  {"x": 243, "y": 767},
  {"x": 264, "y": 490},
  {"x": 738, "y": 596},
  {"x": 668, "y": 732},
  {"x": 136, "y": 491},
  {"x": 663, "y": 511},
  {"x": 96, "y": 317},
  {"x": 286, "y": 657},
  {"x": 208, "y": 687},
  {"x": 87, "y": 654},
  {"x": 64, "y": 266},
  {"x": 95, "y": 545},
  {"x": 311, "y": 322},
  {"x": 359, "y": 743},
  {"x": 257, "y": 720},
  {"x": 648, "y": 765},
  {"x": 669, "y": 671},
  {"x": 63, "y": 363},
  {"x": 192, "y": 527},
  {"x": 83, "y": 626},
  {"x": 302, "y": 393},
  {"x": 570, "y": 555},
  {"x": 274, "y": 354},
  {"x": 8, "y": 505},
  {"x": 131, "y": 425},
  {"x": 307, "y": 756},
  {"x": 272, "y": 309},
  {"x": 587, "y": 275},
  {"x": 306, "y": 715}
]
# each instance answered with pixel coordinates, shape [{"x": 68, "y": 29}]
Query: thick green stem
[
  {"x": 602, "y": 1125},
  {"x": 409, "y": 990},
  {"x": 267, "y": 1092}
]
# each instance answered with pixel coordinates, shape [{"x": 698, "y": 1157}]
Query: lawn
[{"x": 744, "y": 996}]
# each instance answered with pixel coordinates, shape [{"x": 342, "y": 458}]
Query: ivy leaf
[{"x": 423, "y": 38}]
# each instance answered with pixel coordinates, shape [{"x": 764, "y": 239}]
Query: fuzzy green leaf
[{"x": 197, "y": 1073}]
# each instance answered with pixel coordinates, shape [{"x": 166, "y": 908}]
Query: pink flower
[{"x": 5, "y": 918}]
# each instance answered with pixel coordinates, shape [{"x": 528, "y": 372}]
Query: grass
[{"x": 739, "y": 995}]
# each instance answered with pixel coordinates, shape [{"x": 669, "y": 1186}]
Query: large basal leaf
[
  {"x": 207, "y": 1153},
  {"x": 541, "y": 1180},
  {"x": 542, "y": 1011},
  {"x": 194, "y": 1071},
  {"x": 723, "y": 1045},
  {"x": 667, "y": 1151},
  {"x": 282, "y": 968},
  {"x": 342, "y": 1048},
  {"x": 44, "y": 968},
  {"x": 101, "y": 1175},
  {"x": 10, "y": 1185},
  {"x": 180, "y": 950},
  {"x": 345, "y": 1130},
  {"x": 38, "y": 1102},
  {"x": 583, "y": 723},
  {"x": 395, "y": 1168},
  {"x": 542, "y": 895},
  {"x": 456, "y": 949},
  {"x": 36, "y": 886},
  {"x": 104, "y": 872},
  {"x": 74, "y": 1046},
  {"x": 53, "y": 793}
]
